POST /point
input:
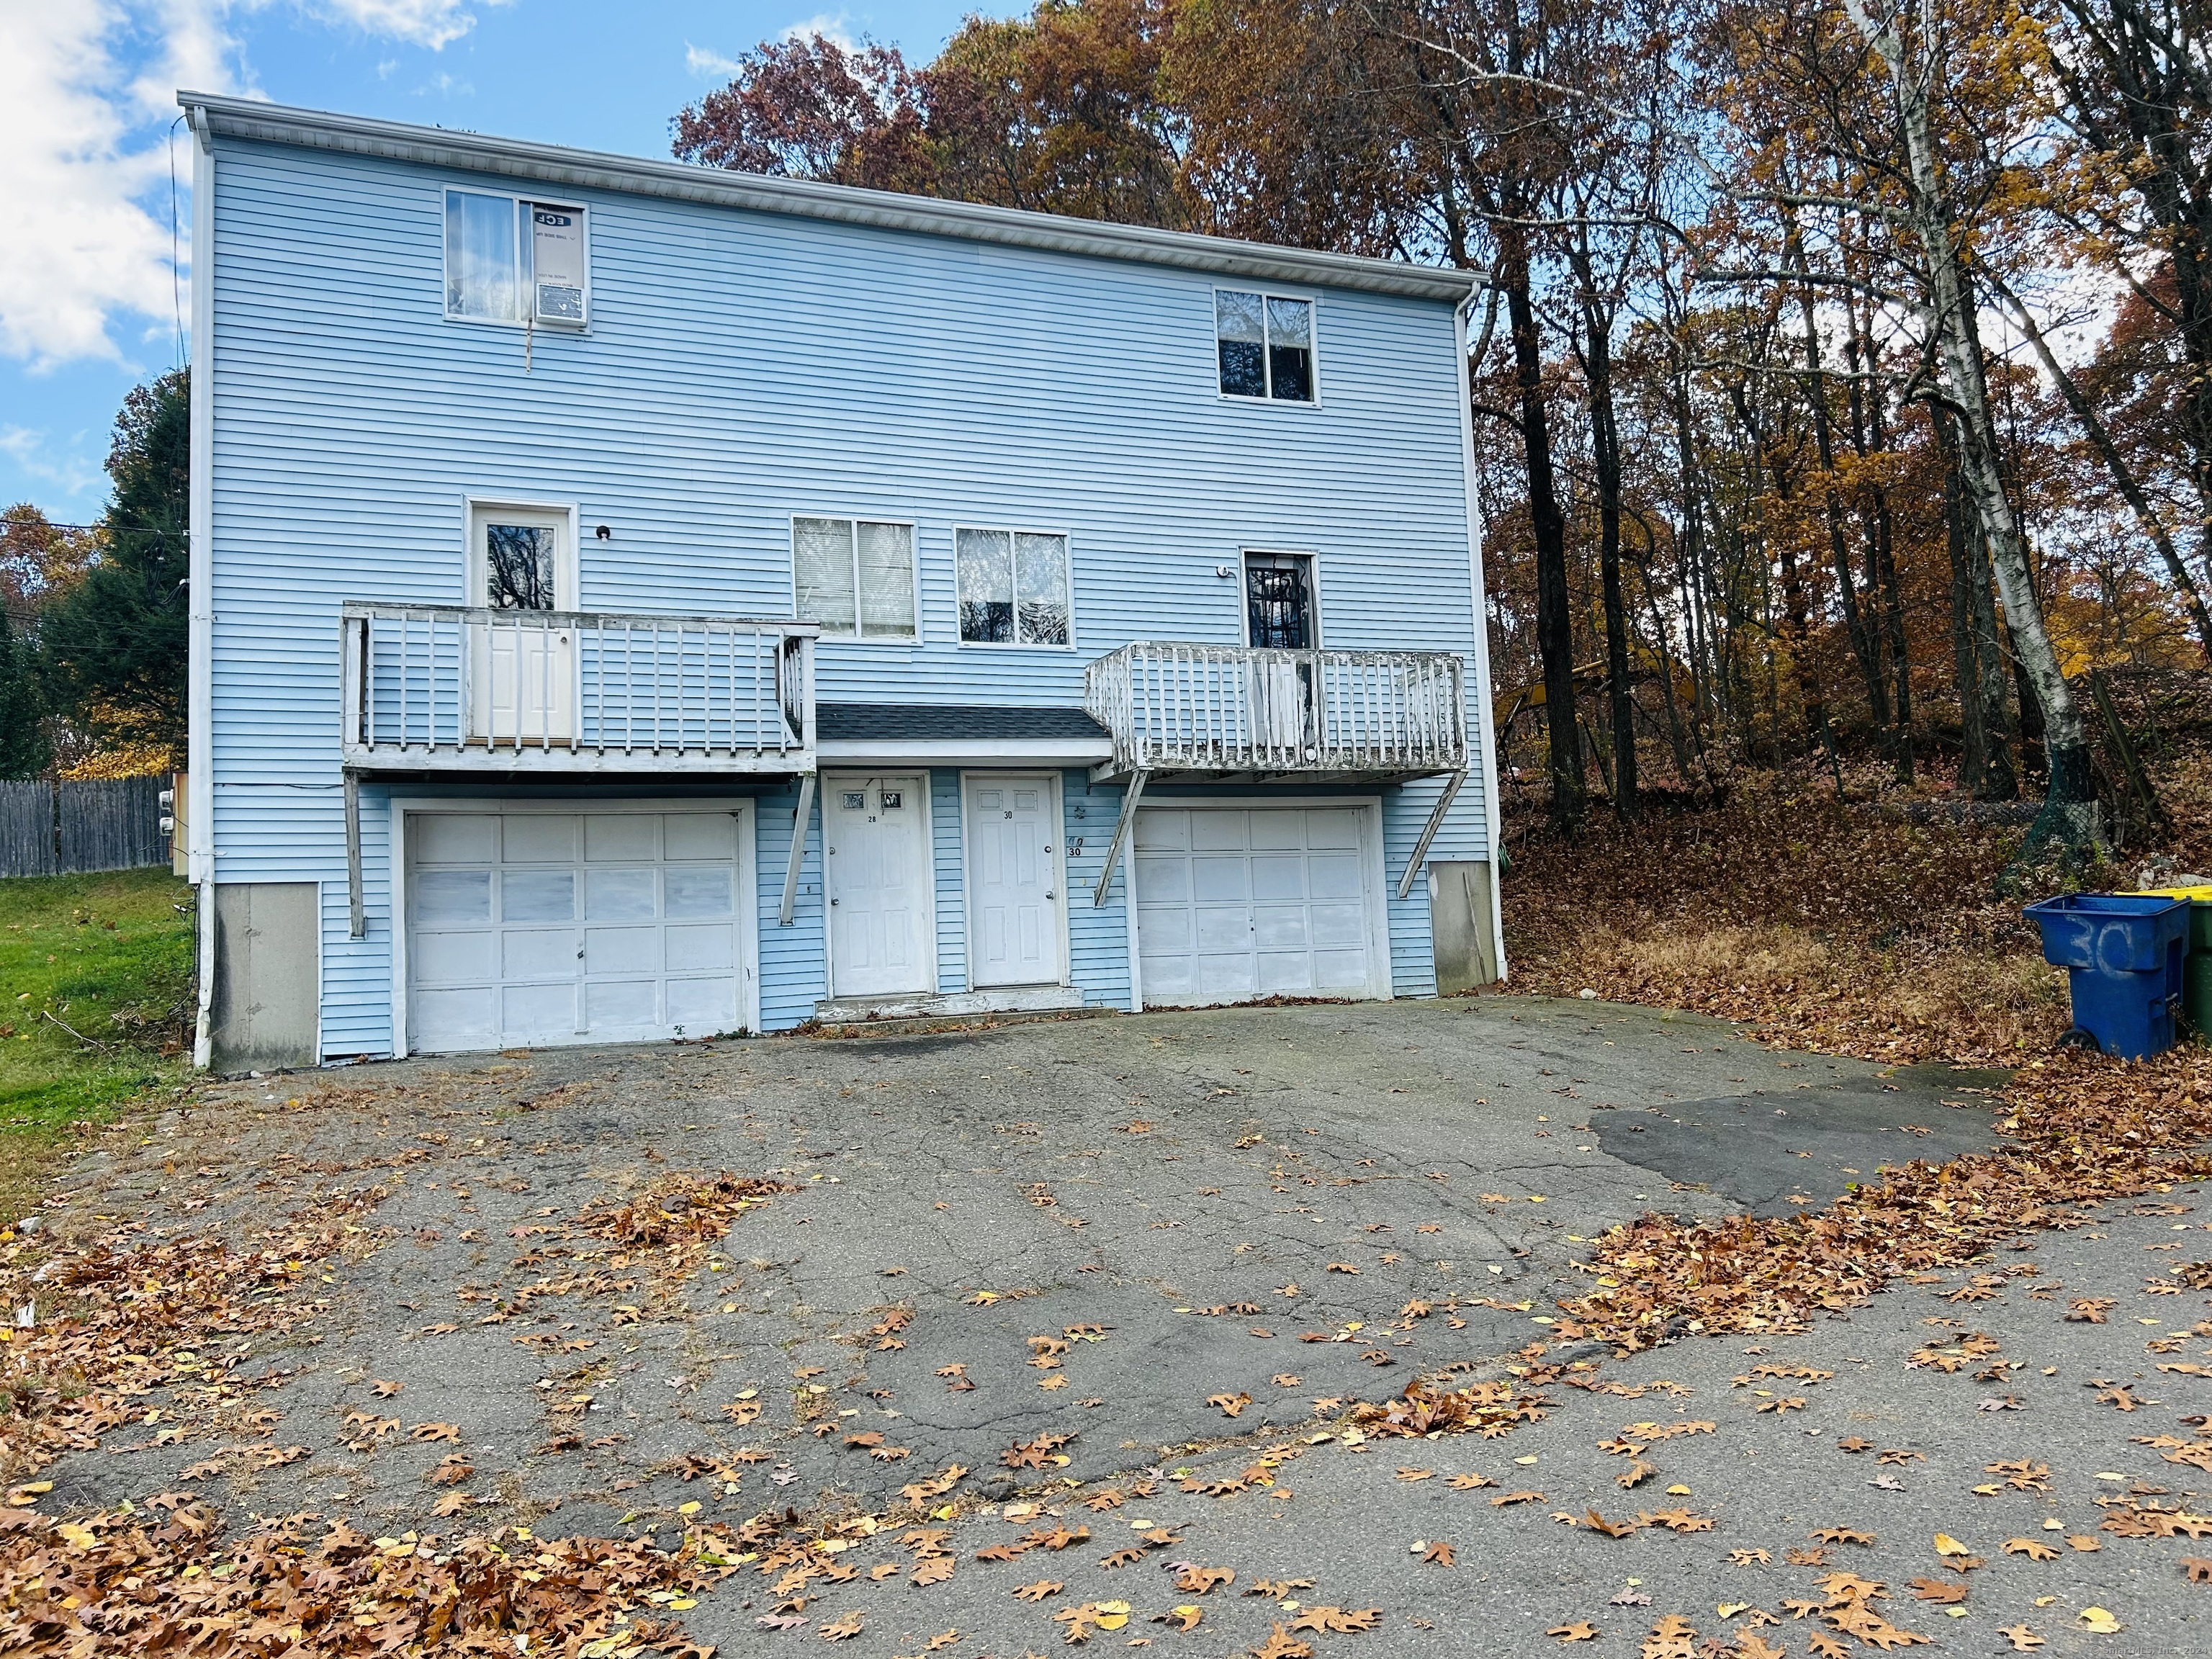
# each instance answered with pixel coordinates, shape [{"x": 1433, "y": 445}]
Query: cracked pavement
[{"x": 1204, "y": 1189}]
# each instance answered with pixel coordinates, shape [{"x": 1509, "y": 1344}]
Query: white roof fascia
[{"x": 215, "y": 116}]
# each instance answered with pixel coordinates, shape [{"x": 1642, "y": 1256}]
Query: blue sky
[{"x": 87, "y": 296}]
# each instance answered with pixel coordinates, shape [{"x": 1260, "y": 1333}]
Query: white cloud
[
  {"x": 87, "y": 103},
  {"x": 77, "y": 474},
  {"x": 832, "y": 27},
  {"x": 80, "y": 243},
  {"x": 706, "y": 61}
]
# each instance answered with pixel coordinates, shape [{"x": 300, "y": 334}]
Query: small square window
[
  {"x": 1264, "y": 344},
  {"x": 1014, "y": 586},
  {"x": 893, "y": 800},
  {"x": 855, "y": 801}
]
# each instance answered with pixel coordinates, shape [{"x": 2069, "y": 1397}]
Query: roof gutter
[{"x": 578, "y": 169}]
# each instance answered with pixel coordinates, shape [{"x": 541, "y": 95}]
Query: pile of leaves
[
  {"x": 1489, "y": 1409},
  {"x": 163, "y": 1580},
  {"x": 1848, "y": 927},
  {"x": 2084, "y": 1130},
  {"x": 113, "y": 1319},
  {"x": 679, "y": 1208}
]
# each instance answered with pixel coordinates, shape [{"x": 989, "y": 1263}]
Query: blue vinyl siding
[
  {"x": 945, "y": 808},
  {"x": 741, "y": 367}
]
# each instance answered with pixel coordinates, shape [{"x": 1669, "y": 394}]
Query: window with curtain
[
  {"x": 855, "y": 577},
  {"x": 514, "y": 261},
  {"x": 1013, "y": 588}
]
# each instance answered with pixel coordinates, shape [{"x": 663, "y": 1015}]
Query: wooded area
[{"x": 1842, "y": 368}]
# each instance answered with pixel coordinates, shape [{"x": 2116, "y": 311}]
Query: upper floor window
[
  {"x": 515, "y": 261},
  {"x": 1266, "y": 344},
  {"x": 1014, "y": 586},
  {"x": 854, "y": 576}
]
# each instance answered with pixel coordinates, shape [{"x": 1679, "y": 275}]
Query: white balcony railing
[
  {"x": 444, "y": 687},
  {"x": 1229, "y": 709}
]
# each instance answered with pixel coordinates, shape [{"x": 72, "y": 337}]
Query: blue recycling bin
[{"x": 2122, "y": 955}]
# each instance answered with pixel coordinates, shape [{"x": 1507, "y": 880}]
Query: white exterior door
[
  {"x": 524, "y": 679},
  {"x": 1235, "y": 903},
  {"x": 529, "y": 929},
  {"x": 1013, "y": 884},
  {"x": 882, "y": 902}
]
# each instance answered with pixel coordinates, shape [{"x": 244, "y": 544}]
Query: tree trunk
[
  {"x": 1555, "y": 616},
  {"x": 1965, "y": 659},
  {"x": 1605, "y": 445},
  {"x": 2070, "y": 810}
]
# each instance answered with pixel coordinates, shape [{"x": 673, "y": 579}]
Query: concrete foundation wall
[{"x": 264, "y": 1012}]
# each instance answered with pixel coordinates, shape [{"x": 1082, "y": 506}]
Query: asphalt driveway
[{"x": 1126, "y": 1243}]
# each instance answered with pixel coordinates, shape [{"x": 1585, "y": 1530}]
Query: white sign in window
[
  {"x": 1014, "y": 586},
  {"x": 514, "y": 261},
  {"x": 855, "y": 577}
]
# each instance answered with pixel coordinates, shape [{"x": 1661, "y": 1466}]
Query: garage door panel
[
  {"x": 697, "y": 949},
  {"x": 538, "y": 1013},
  {"x": 1215, "y": 880},
  {"x": 1168, "y": 832},
  {"x": 1332, "y": 826},
  {"x": 1236, "y": 903},
  {"x": 702, "y": 1005},
  {"x": 532, "y": 954},
  {"x": 621, "y": 895},
  {"x": 454, "y": 959},
  {"x": 621, "y": 951},
  {"x": 537, "y": 896},
  {"x": 699, "y": 836},
  {"x": 621, "y": 836},
  {"x": 461, "y": 897},
  {"x": 457, "y": 1019},
  {"x": 701, "y": 892},
  {"x": 1162, "y": 881},
  {"x": 618, "y": 1005},
  {"x": 455, "y": 838},
  {"x": 538, "y": 838}
]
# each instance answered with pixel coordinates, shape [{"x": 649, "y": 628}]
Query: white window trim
[
  {"x": 1013, "y": 529},
  {"x": 555, "y": 325},
  {"x": 913, "y": 572},
  {"x": 1243, "y": 592},
  {"x": 749, "y": 895},
  {"x": 1265, "y": 293},
  {"x": 568, "y": 567},
  {"x": 969, "y": 777},
  {"x": 1383, "y": 979}
]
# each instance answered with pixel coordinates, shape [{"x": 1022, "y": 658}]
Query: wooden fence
[{"x": 98, "y": 823}]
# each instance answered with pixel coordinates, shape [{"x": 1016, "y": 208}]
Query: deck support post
[
  {"x": 799, "y": 822},
  {"x": 356, "y": 911},
  {"x": 1130, "y": 796},
  {"x": 1429, "y": 831}
]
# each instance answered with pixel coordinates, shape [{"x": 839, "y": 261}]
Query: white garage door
[
  {"x": 527, "y": 929},
  {"x": 1235, "y": 903}
]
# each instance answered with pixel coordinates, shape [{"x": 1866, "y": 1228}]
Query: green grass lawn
[{"x": 95, "y": 1005}]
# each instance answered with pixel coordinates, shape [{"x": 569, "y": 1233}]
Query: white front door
[
  {"x": 883, "y": 903},
  {"x": 1013, "y": 887},
  {"x": 523, "y": 669}
]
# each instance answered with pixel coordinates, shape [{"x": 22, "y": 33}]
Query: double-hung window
[
  {"x": 1265, "y": 345},
  {"x": 1014, "y": 586},
  {"x": 511, "y": 261},
  {"x": 855, "y": 577}
]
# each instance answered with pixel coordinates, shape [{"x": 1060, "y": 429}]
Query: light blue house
[{"x": 633, "y": 601}]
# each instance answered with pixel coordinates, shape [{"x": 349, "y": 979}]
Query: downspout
[
  {"x": 199, "y": 820},
  {"x": 1494, "y": 830}
]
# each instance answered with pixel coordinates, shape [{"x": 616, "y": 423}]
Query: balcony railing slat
[
  {"x": 1178, "y": 707},
  {"x": 451, "y": 688}
]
